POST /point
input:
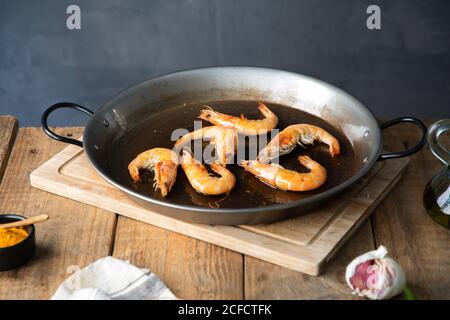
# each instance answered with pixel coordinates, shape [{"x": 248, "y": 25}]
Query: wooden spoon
[{"x": 26, "y": 222}]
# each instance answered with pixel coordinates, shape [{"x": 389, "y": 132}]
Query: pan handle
[
  {"x": 417, "y": 147},
  {"x": 53, "y": 135}
]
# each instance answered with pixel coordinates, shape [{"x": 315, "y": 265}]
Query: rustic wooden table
[{"x": 78, "y": 234}]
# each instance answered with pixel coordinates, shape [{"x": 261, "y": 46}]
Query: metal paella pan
[{"x": 145, "y": 116}]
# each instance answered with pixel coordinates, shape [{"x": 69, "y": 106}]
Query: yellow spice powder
[{"x": 11, "y": 236}]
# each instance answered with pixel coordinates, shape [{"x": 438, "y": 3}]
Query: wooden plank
[
  {"x": 69, "y": 174},
  {"x": 75, "y": 235},
  {"x": 191, "y": 268},
  {"x": 401, "y": 224},
  {"x": 8, "y": 132},
  {"x": 268, "y": 281}
]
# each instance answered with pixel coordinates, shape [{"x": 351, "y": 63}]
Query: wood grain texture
[
  {"x": 8, "y": 132},
  {"x": 75, "y": 235},
  {"x": 268, "y": 281},
  {"x": 69, "y": 174},
  {"x": 401, "y": 224},
  {"x": 78, "y": 234},
  {"x": 191, "y": 268}
]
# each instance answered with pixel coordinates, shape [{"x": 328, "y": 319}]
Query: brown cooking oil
[
  {"x": 155, "y": 130},
  {"x": 436, "y": 198}
]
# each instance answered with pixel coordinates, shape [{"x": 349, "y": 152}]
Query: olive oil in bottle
[{"x": 436, "y": 198}]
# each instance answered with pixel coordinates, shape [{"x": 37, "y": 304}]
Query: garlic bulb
[{"x": 374, "y": 275}]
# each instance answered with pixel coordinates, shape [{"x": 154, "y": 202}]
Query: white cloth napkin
[{"x": 112, "y": 279}]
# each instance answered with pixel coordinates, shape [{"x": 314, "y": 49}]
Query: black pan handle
[
  {"x": 417, "y": 147},
  {"x": 50, "y": 133}
]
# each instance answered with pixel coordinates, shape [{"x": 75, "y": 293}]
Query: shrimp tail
[
  {"x": 139, "y": 162},
  {"x": 207, "y": 114},
  {"x": 307, "y": 162},
  {"x": 334, "y": 148},
  {"x": 133, "y": 168},
  {"x": 245, "y": 163},
  {"x": 264, "y": 109}
]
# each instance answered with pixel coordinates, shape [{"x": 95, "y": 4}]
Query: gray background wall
[{"x": 404, "y": 68}]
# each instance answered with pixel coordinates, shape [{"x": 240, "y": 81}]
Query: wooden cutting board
[{"x": 304, "y": 244}]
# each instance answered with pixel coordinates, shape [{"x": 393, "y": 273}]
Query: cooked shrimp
[
  {"x": 285, "y": 141},
  {"x": 242, "y": 124},
  {"x": 202, "y": 181},
  {"x": 223, "y": 139},
  {"x": 278, "y": 177},
  {"x": 163, "y": 162}
]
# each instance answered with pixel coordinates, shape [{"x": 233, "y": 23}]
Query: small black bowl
[{"x": 16, "y": 255}]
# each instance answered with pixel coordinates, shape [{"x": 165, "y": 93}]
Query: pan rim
[{"x": 309, "y": 200}]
